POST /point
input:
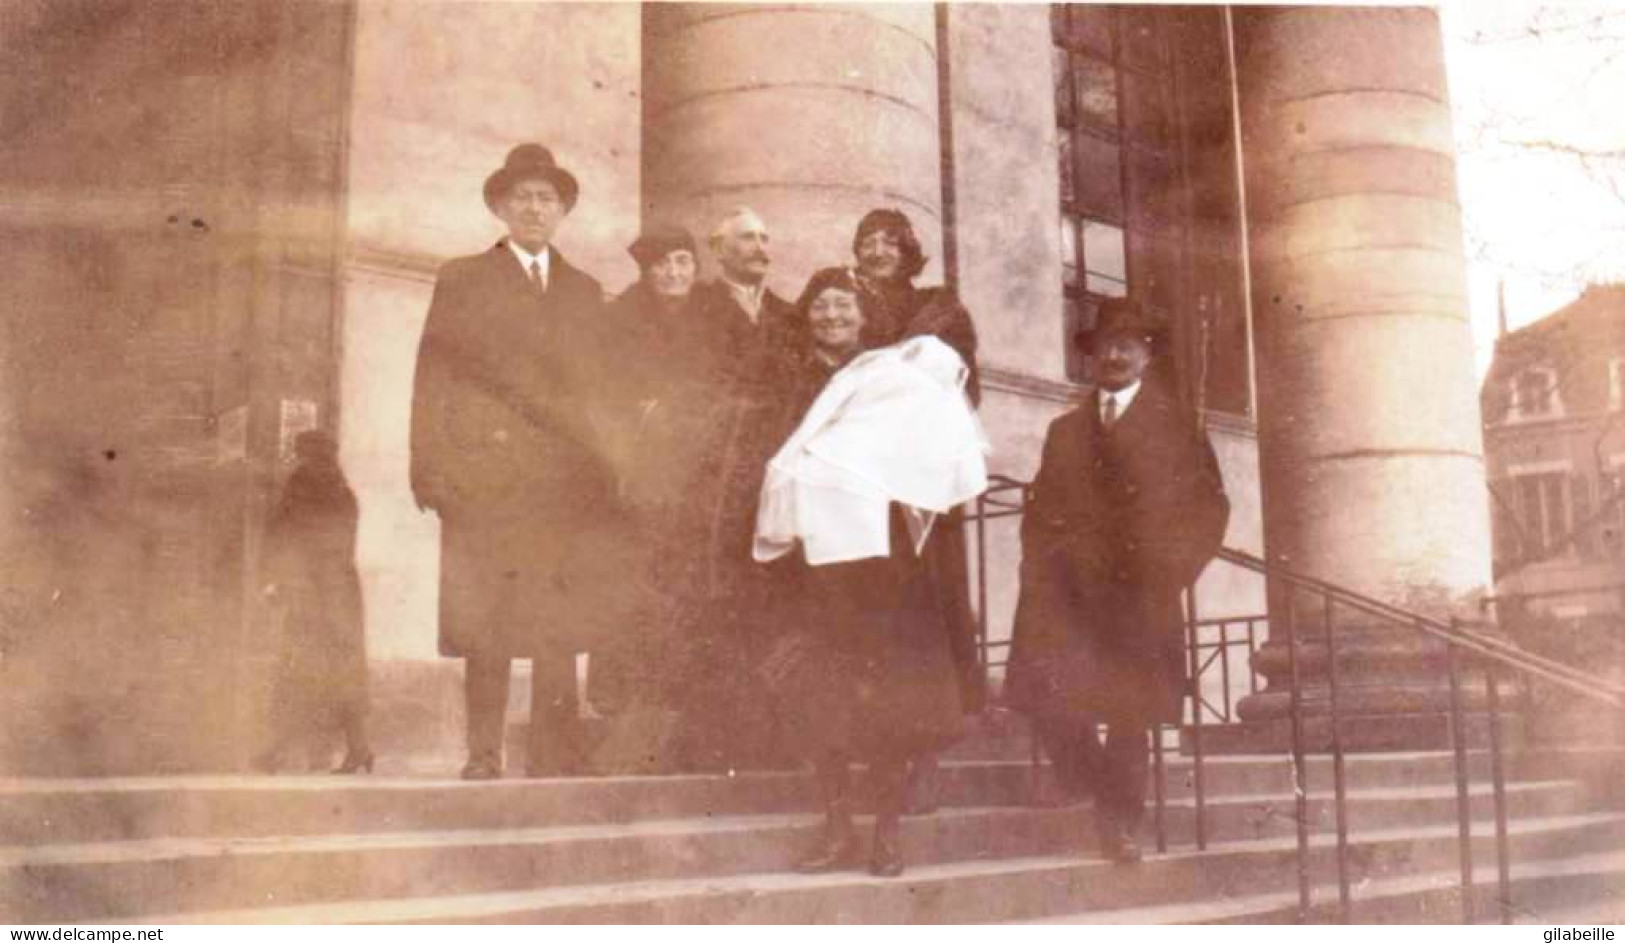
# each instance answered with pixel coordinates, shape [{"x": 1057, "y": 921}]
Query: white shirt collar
[
  {"x": 1124, "y": 397},
  {"x": 748, "y": 296},
  {"x": 544, "y": 258}
]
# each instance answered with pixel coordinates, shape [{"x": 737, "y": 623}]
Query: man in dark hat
[
  {"x": 510, "y": 374},
  {"x": 1126, "y": 509},
  {"x": 889, "y": 258}
]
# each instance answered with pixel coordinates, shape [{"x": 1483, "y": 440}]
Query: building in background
[
  {"x": 1554, "y": 445},
  {"x": 223, "y": 220}
]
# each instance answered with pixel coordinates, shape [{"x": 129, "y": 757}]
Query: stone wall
[{"x": 166, "y": 199}]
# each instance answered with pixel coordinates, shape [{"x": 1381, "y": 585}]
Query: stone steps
[
  {"x": 1009, "y": 889},
  {"x": 34, "y": 811},
  {"x": 717, "y": 848},
  {"x": 1580, "y": 889},
  {"x": 102, "y": 880}
]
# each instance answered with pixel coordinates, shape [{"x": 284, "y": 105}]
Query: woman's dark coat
[
  {"x": 893, "y": 313},
  {"x": 864, "y": 665},
  {"x": 509, "y": 447},
  {"x": 669, "y": 397},
  {"x": 310, "y": 557},
  {"x": 1118, "y": 523},
  {"x": 671, "y": 407}
]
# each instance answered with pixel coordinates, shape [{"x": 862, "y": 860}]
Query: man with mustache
[
  {"x": 755, "y": 320},
  {"x": 725, "y": 722},
  {"x": 1125, "y": 511}
]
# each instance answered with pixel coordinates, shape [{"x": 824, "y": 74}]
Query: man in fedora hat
[
  {"x": 1125, "y": 511},
  {"x": 509, "y": 378}
]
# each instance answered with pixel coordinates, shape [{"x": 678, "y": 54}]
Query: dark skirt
[
  {"x": 321, "y": 674},
  {"x": 866, "y": 667}
]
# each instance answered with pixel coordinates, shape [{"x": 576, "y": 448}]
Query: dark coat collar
[
  {"x": 1154, "y": 405},
  {"x": 717, "y": 291},
  {"x": 561, "y": 275}
]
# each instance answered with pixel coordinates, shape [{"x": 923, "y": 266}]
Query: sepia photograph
[{"x": 511, "y": 462}]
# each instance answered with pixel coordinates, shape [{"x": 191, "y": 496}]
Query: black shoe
[
  {"x": 837, "y": 848},
  {"x": 886, "y": 854},
  {"x": 356, "y": 763},
  {"x": 482, "y": 768}
]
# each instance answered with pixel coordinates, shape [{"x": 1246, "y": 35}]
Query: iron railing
[{"x": 1475, "y": 661}]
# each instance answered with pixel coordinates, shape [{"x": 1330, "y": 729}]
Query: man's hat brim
[
  {"x": 1122, "y": 318},
  {"x": 531, "y": 162}
]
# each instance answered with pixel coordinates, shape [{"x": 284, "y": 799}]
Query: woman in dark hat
[
  {"x": 321, "y": 677},
  {"x": 889, "y": 258},
  {"x": 670, "y": 414},
  {"x": 865, "y": 672}
]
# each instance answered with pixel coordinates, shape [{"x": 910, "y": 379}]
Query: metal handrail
[
  {"x": 1006, "y": 498},
  {"x": 1497, "y": 650}
]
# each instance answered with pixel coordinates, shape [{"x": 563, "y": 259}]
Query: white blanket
[{"x": 892, "y": 425}]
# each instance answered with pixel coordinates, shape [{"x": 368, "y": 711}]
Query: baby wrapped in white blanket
[{"x": 892, "y": 425}]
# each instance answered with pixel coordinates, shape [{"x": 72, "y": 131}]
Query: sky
[{"x": 1530, "y": 82}]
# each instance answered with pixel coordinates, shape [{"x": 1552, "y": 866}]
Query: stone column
[
  {"x": 810, "y": 115},
  {"x": 1370, "y": 445}
]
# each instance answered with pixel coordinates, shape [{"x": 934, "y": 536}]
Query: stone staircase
[{"x": 398, "y": 847}]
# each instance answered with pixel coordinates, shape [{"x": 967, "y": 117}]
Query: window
[
  {"x": 1148, "y": 194},
  {"x": 1091, "y": 120},
  {"x": 1542, "y": 504},
  {"x": 1534, "y": 394}
]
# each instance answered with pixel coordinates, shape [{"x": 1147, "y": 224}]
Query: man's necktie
[
  {"x": 536, "y": 276},
  {"x": 1108, "y": 412}
]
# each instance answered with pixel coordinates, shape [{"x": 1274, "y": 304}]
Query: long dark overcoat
[
  {"x": 1119, "y": 522},
  {"x": 507, "y": 447},
  {"x": 901, "y": 311},
  {"x": 310, "y": 551},
  {"x": 672, "y": 409}
]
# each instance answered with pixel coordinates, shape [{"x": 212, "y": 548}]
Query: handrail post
[
  {"x": 1300, "y": 777},
  {"x": 1464, "y": 810},
  {"x": 1161, "y": 788},
  {"x": 1193, "y": 637},
  {"x": 1252, "y": 649},
  {"x": 1503, "y": 868},
  {"x": 1344, "y": 904},
  {"x": 981, "y": 586}
]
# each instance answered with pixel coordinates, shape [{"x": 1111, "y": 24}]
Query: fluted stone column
[
  {"x": 811, "y": 115},
  {"x": 1370, "y": 446}
]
